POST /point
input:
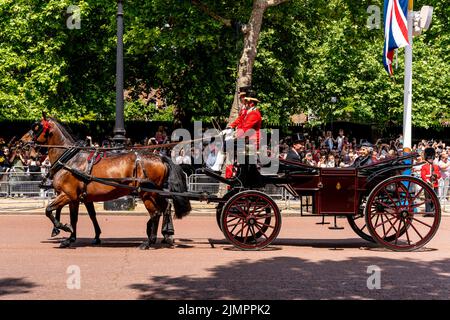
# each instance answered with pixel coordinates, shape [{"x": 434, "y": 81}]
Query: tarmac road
[{"x": 308, "y": 261}]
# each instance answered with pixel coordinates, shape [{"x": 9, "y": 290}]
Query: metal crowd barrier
[
  {"x": 204, "y": 183},
  {"x": 22, "y": 184}
]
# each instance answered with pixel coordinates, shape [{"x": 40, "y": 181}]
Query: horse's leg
[
  {"x": 74, "y": 207},
  {"x": 153, "y": 222},
  {"x": 58, "y": 203},
  {"x": 152, "y": 228},
  {"x": 55, "y": 230},
  {"x": 167, "y": 229},
  {"x": 92, "y": 214}
]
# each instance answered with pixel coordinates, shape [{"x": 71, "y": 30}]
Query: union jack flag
[{"x": 395, "y": 30}]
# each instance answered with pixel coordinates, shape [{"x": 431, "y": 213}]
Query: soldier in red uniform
[{"x": 431, "y": 174}]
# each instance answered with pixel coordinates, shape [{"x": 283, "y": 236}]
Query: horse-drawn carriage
[{"x": 399, "y": 212}]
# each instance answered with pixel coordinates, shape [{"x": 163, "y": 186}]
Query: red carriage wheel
[
  {"x": 220, "y": 205},
  {"x": 250, "y": 220},
  {"x": 358, "y": 224},
  {"x": 403, "y": 213}
]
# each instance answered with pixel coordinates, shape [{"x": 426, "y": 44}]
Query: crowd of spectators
[
  {"x": 325, "y": 150},
  {"x": 20, "y": 164}
]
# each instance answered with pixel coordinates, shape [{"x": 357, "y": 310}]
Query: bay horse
[{"x": 132, "y": 168}]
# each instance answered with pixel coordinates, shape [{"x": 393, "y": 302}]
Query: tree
[{"x": 251, "y": 33}]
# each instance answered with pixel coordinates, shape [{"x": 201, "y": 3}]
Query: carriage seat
[{"x": 296, "y": 167}]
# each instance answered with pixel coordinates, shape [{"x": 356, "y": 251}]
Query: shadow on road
[
  {"x": 295, "y": 278},
  {"x": 332, "y": 244},
  {"x": 10, "y": 286}
]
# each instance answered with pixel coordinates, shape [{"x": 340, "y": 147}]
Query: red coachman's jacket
[
  {"x": 237, "y": 123},
  {"x": 248, "y": 119},
  {"x": 425, "y": 173}
]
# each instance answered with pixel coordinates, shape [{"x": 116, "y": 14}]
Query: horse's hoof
[
  {"x": 72, "y": 240},
  {"x": 55, "y": 232},
  {"x": 65, "y": 244},
  {"x": 168, "y": 240},
  {"x": 145, "y": 245},
  {"x": 96, "y": 242},
  {"x": 67, "y": 228}
]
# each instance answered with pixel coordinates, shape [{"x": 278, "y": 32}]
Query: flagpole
[{"x": 407, "y": 109}]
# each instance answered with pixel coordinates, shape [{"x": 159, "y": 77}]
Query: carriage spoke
[
  {"x": 242, "y": 210},
  {"x": 246, "y": 235},
  {"x": 235, "y": 224},
  {"x": 390, "y": 198},
  {"x": 260, "y": 208},
  {"x": 262, "y": 232},
  {"x": 417, "y": 194},
  {"x": 392, "y": 225},
  {"x": 412, "y": 226},
  {"x": 406, "y": 229},
  {"x": 233, "y": 219},
  {"x": 382, "y": 203},
  {"x": 416, "y": 205},
  {"x": 265, "y": 225},
  {"x": 382, "y": 221},
  {"x": 397, "y": 234},
  {"x": 253, "y": 232},
  {"x": 263, "y": 217},
  {"x": 415, "y": 219},
  {"x": 236, "y": 216}
]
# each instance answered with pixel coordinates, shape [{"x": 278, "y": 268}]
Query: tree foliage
[{"x": 309, "y": 51}]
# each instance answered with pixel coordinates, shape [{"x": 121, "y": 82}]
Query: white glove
[{"x": 226, "y": 132}]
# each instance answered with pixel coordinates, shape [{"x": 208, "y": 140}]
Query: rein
[{"x": 156, "y": 146}]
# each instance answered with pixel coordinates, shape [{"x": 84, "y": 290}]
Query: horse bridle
[{"x": 38, "y": 129}]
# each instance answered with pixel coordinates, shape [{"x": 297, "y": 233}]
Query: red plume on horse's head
[{"x": 44, "y": 122}]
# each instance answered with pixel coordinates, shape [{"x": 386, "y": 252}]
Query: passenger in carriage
[
  {"x": 309, "y": 160},
  {"x": 295, "y": 152},
  {"x": 365, "y": 156}
]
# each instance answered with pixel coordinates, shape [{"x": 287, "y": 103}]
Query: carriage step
[
  {"x": 323, "y": 221},
  {"x": 335, "y": 226}
]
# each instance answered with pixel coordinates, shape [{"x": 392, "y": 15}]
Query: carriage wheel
[
  {"x": 403, "y": 213},
  {"x": 220, "y": 205},
  {"x": 250, "y": 220},
  {"x": 358, "y": 224}
]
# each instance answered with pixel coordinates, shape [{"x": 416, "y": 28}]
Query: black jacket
[{"x": 293, "y": 156}]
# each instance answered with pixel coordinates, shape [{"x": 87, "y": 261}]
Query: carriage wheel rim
[
  {"x": 400, "y": 220},
  {"x": 250, "y": 221}
]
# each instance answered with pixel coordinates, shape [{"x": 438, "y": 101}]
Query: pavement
[{"x": 307, "y": 261}]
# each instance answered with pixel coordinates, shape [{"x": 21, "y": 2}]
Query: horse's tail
[{"x": 177, "y": 183}]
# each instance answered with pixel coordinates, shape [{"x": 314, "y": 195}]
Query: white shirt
[{"x": 445, "y": 172}]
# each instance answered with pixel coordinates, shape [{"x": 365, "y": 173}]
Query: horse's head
[{"x": 40, "y": 132}]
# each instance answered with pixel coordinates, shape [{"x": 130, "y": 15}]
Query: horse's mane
[{"x": 67, "y": 133}]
